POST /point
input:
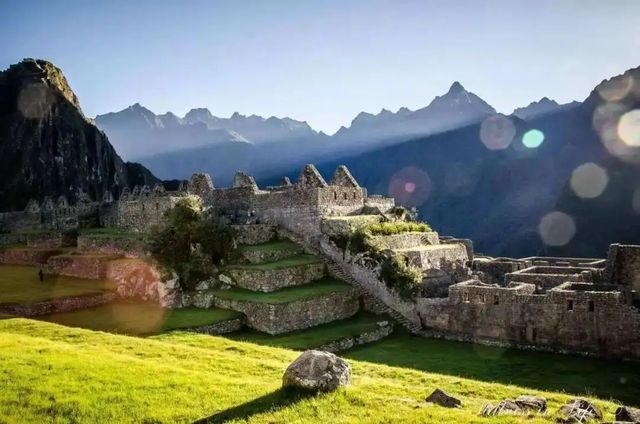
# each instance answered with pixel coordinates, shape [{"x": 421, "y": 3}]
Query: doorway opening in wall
[
  {"x": 592, "y": 306},
  {"x": 569, "y": 305}
]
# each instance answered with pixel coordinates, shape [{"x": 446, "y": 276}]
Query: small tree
[{"x": 191, "y": 243}]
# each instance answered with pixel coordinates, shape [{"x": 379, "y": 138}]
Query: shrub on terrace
[
  {"x": 190, "y": 242},
  {"x": 397, "y": 227}
]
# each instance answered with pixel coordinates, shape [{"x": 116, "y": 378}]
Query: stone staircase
[{"x": 337, "y": 271}]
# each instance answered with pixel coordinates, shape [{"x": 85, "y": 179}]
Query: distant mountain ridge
[{"x": 541, "y": 107}]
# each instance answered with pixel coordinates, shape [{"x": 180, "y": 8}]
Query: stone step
[
  {"x": 270, "y": 251},
  {"x": 254, "y": 233},
  {"x": 292, "y": 308},
  {"x": 270, "y": 276}
]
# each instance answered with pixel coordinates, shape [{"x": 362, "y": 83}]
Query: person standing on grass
[{"x": 41, "y": 275}]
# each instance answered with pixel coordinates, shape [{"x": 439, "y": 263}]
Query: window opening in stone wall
[
  {"x": 344, "y": 196},
  {"x": 143, "y": 207},
  {"x": 534, "y": 334},
  {"x": 592, "y": 306},
  {"x": 466, "y": 297},
  {"x": 157, "y": 205},
  {"x": 355, "y": 195},
  {"x": 335, "y": 195},
  {"x": 569, "y": 305},
  {"x": 496, "y": 300}
]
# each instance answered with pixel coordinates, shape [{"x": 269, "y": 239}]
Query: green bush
[
  {"x": 397, "y": 227},
  {"x": 191, "y": 243}
]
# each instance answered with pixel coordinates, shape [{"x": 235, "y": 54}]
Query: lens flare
[
  {"x": 589, "y": 180},
  {"x": 556, "y": 229},
  {"x": 616, "y": 88},
  {"x": 533, "y": 138},
  {"x": 410, "y": 186},
  {"x": 497, "y": 132},
  {"x": 629, "y": 128}
]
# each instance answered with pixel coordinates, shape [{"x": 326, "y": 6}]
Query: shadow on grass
[{"x": 270, "y": 402}]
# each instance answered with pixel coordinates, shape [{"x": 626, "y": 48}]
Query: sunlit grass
[{"x": 50, "y": 373}]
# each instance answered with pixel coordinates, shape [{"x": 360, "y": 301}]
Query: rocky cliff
[{"x": 47, "y": 146}]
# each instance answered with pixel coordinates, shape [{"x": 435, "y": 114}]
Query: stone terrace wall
[
  {"x": 546, "y": 322},
  {"x": 65, "y": 304},
  {"x": 27, "y": 256},
  {"x": 138, "y": 279},
  {"x": 407, "y": 240},
  {"x": 382, "y": 330},
  {"x": 81, "y": 266},
  {"x": 254, "y": 234},
  {"x": 128, "y": 246},
  {"x": 275, "y": 279},
  {"x": 297, "y": 315},
  {"x": 222, "y": 327}
]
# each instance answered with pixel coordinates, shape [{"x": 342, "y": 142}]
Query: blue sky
[{"x": 321, "y": 61}]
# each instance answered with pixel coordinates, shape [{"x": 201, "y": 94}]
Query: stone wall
[
  {"x": 127, "y": 246},
  {"x": 142, "y": 213},
  {"x": 7, "y": 239},
  {"x": 47, "y": 307},
  {"x": 218, "y": 328},
  {"x": 625, "y": 266},
  {"x": 275, "y": 279},
  {"x": 92, "y": 266},
  {"x": 286, "y": 317},
  {"x": 382, "y": 330},
  {"x": 548, "y": 277},
  {"x": 407, "y": 240},
  {"x": 27, "y": 256},
  {"x": 254, "y": 234},
  {"x": 136, "y": 278},
  {"x": 494, "y": 270},
  {"x": 340, "y": 225},
  {"x": 582, "y": 321}
]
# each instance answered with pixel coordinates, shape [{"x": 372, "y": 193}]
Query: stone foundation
[
  {"x": 254, "y": 234},
  {"x": 223, "y": 327},
  {"x": 92, "y": 266},
  {"x": 297, "y": 315},
  {"x": 128, "y": 247},
  {"x": 47, "y": 307},
  {"x": 382, "y": 330},
  {"x": 271, "y": 255},
  {"x": 27, "y": 256}
]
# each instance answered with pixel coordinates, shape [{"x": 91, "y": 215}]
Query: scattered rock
[
  {"x": 203, "y": 285},
  {"x": 532, "y": 403},
  {"x": 506, "y": 406},
  {"x": 224, "y": 279},
  {"x": 316, "y": 371},
  {"x": 579, "y": 411},
  {"x": 441, "y": 398},
  {"x": 627, "y": 414}
]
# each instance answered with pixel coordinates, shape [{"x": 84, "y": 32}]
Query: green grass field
[
  {"x": 289, "y": 262},
  {"x": 50, "y": 373},
  {"x": 315, "y": 336},
  {"x": 270, "y": 245},
  {"x": 139, "y": 318},
  {"x": 20, "y": 284},
  {"x": 289, "y": 294}
]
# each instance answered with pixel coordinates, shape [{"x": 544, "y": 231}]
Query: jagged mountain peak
[{"x": 456, "y": 87}]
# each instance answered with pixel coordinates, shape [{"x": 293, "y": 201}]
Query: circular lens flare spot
[
  {"x": 497, "y": 132},
  {"x": 410, "y": 186},
  {"x": 556, "y": 229},
  {"x": 533, "y": 138},
  {"x": 629, "y": 128},
  {"x": 616, "y": 88},
  {"x": 589, "y": 180}
]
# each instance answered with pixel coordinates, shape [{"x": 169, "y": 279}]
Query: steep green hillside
[{"x": 50, "y": 373}]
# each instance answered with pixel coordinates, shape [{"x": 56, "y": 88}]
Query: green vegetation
[
  {"x": 140, "y": 318},
  {"x": 399, "y": 276},
  {"x": 269, "y": 246},
  {"x": 289, "y": 294},
  {"x": 540, "y": 371},
  {"x": 315, "y": 336},
  {"x": 288, "y": 262},
  {"x": 397, "y": 227},
  {"x": 191, "y": 243},
  {"x": 19, "y": 284},
  {"x": 51, "y": 373}
]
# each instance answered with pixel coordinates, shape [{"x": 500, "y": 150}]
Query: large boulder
[
  {"x": 439, "y": 397},
  {"x": 317, "y": 371},
  {"x": 627, "y": 414}
]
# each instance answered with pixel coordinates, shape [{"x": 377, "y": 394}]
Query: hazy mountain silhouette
[{"x": 541, "y": 107}]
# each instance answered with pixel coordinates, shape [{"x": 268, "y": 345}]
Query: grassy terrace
[
  {"x": 50, "y": 373},
  {"x": 289, "y": 262},
  {"x": 270, "y": 245},
  {"x": 19, "y": 284},
  {"x": 289, "y": 294},
  {"x": 140, "y": 318},
  {"x": 315, "y": 336}
]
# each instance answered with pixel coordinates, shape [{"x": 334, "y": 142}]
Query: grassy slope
[
  {"x": 20, "y": 284},
  {"x": 51, "y": 373},
  {"x": 140, "y": 318},
  {"x": 289, "y": 294},
  {"x": 289, "y": 262}
]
